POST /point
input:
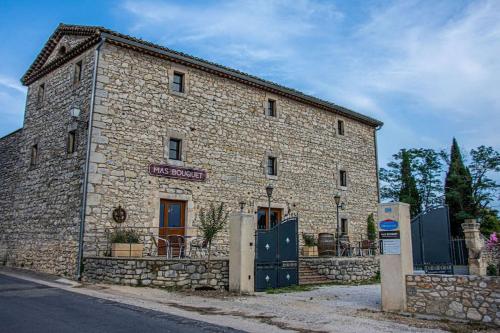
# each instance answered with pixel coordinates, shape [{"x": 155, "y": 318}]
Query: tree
[
  {"x": 426, "y": 168},
  {"x": 490, "y": 222},
  {"x": 409, "y": 193},
  {"x": 211, "y": 223},
  {"x": 370, "y": 228},
  {"x": 458, "y": 191},
  {"x": 484, "y": 189}
]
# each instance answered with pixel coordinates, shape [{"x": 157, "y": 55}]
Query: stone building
[{"x": 112, "y": 121}]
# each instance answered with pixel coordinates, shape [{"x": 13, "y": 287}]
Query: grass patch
[{"x": 291, "y": 289}]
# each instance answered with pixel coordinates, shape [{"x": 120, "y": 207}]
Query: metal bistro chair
[
  {"x": 200, "y": 247},
  {"x": 345, "y": 246},
  {"x": 176, "y": 246},
  {"x": 366, "y": 247},
  {"x": 156, "y": 242}
]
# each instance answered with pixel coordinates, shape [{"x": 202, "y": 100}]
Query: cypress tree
[
  {"x": 458, "y": 191},
  {"x": 409, "y": 192}
]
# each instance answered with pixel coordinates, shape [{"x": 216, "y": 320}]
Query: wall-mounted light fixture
[{"x": 74, "y": 112}]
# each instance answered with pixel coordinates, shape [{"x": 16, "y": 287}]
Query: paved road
[{"x": 30, "y": 307}]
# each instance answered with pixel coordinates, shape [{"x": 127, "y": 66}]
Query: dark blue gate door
[{"x": 277, "y": 255}]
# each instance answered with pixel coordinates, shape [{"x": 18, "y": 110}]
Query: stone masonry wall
[
  {"x": 344, "y": 269},
  {"x": 40, "y": 205},
  {"x": 225, "y": 132},
  {"x": 467, "y": 297},
  {"x": 171, "y": 273}
]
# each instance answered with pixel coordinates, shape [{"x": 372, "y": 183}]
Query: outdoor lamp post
[
  {"x": 269, "y": 192},
  {"x": 337, "y": 203}
]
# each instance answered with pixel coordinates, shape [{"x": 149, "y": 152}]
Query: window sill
[
  {"x": 175, "y": 162},
  {"x": 179, "y": 94},
  {"x": 272, "y": 177}
]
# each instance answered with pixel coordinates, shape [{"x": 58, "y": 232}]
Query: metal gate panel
[
  {"x": 431, "y": 241},
  {"x": 277, "y": 255}
]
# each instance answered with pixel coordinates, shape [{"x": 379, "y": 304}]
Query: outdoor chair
[
  {"x": 176, "y": 245},
  {"x": 159, "y": 243},
  {"x": 198, "y": 247},
  {"x": 366, "y": 247}
]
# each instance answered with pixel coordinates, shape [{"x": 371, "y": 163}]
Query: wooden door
[
  {"x": 263, "y": 221},
  {"x": 172, "y": 221}
]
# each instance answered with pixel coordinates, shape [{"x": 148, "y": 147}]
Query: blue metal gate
[
  {"x": 277, "y": 255},
  {"x": 431, "y": 241}
]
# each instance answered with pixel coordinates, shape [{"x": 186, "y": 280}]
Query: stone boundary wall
[
  {"x": 171, "y": 273},
  {"x": 465, "y": 297},
  {"x": 344, "y": 269}
]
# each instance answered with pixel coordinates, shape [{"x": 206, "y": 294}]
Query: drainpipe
[
  {"x": 87, "y": 164},
  {"x": 376, "y": 160}
]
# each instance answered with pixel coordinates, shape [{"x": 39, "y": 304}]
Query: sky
[{"x": 430, "y": 70}]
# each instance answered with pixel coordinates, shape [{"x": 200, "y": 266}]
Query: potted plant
[
  {"x": 310, "y": 248},
  {"x": 125, "y": 243}
]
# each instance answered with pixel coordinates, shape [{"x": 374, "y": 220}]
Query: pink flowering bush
[{"x": 494, "y": 241}]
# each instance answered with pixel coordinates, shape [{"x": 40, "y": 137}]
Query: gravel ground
[{"x": 325, "y": 309}]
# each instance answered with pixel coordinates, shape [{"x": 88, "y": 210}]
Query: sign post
[{"x": 396, "y": 260}]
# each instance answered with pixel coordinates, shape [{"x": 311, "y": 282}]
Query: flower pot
[
  {"x": 126, "y": 250},
  {"x": 310, "y": 251}
]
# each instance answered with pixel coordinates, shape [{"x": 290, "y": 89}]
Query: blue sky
[{"x": 429, "y": 69}]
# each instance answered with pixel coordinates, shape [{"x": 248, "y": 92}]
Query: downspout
[
  {"x": 376, "y": 159},
  {"x": 83, "y": 207}
]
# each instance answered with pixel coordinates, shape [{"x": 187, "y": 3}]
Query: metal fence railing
[{"x": 347, "y": 245}]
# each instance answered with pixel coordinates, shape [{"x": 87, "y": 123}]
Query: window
[
  {"x": 343, "y": 178},
  {"x": 77, "y": 75},
  {"x": 271, "y": 108},
  {"x": 340, "y": 127},
  {"x": 174, "y": 151},
  {"x": 71, "y": 142},
  {"x": 41, "y": 93},
  {"x": 178, "y": 82},
  {"x": 271, "y": 166},
  {"x": 34, "y": 155},
  {"x": 344, "y": 227},
  {"x": 62, "y": 50}
]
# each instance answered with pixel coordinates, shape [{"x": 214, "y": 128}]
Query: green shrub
[
  {"x": 491, "y": 270},
  {"x": 309, "y": 240},
  {"x": 124, "y": 236},
  {"x": 371, "y": 230}
]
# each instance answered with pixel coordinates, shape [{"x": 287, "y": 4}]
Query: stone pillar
[
  {"x": 241, "y": 252},
  {"x": 475, "y": 245},
  {"x": 396, "y": 260}
]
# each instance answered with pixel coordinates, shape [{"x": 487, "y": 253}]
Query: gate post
[
  {"x": 475, "y": 246},
  {"x": 396, "y": 260},
  {"x": 241, "y": 252}
]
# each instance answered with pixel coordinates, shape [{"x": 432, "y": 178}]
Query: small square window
[
  {"x": 77, "y": 75},
  {"x": 71, "y": 142},
  {"x": 340, "y": 127},
  {"x": 343, "y": 178},
  {"x": 174, "y": 149},
  {"x": 271, "y": 108},
  {"x": 178, "y": 82},
  {"x": 344, "y": 225},
  {"x": 271, "y": 166},
  {"x": 34, "y": 155},
  {"x": 41, "y": 93}
]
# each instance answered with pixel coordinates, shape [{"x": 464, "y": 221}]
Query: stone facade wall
[
  {"x": 40, "y": 205},
  {"x": 344, "y": 269},
  {"x": 492, "y": 257},
  {"x": 171, "y": 273},
  {"x": 466, "y": 297},
  {"x": 225, "y": 132}
]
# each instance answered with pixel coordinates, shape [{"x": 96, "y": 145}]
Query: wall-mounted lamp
[{"x": 74, "y": 112}]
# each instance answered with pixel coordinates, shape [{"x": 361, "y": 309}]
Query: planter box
[
  {"x": 310, "y": 251},
  {"x": 126, "y": 250}
]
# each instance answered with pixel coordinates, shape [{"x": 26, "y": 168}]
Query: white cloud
[
  {"x": 12, "y": 102},
  {"x": 415, "y": 65},
  {"x": 10, "y": 83}
]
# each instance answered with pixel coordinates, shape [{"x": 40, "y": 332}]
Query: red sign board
[{"x": 171, "y": 171}]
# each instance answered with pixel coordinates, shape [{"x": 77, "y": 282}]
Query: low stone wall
[
  {"x": 344, "y": 269},
  {"x": 171, "y": 273},
  {"x": 466, "y": 297}
]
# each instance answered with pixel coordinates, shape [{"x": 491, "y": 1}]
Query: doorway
[
  {"x": 172, "y": 224},
  {"x": 263, "y": 220}
]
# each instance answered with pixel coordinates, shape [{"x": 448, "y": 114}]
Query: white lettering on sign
[{"x": 171, "y": 171}]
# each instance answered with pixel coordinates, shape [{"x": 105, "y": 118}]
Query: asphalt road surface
[{"x": 30, "y": 307}]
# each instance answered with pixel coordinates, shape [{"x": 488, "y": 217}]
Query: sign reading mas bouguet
[{"x": 171, "y": 171}]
